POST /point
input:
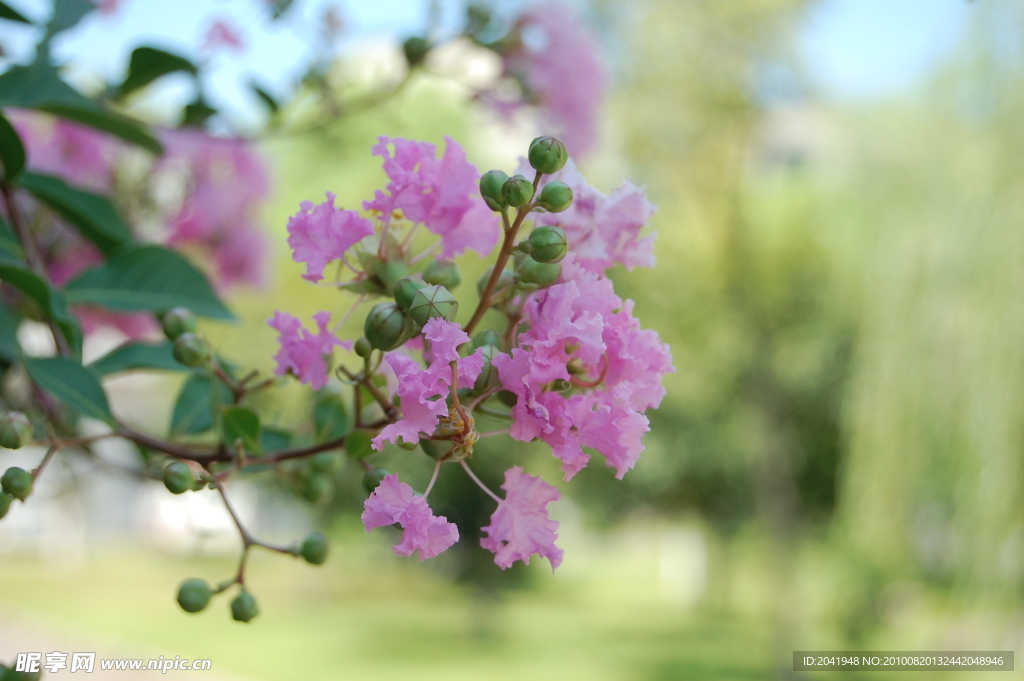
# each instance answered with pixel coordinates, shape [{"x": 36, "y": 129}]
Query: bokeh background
[{"x": 837, "y": 464}]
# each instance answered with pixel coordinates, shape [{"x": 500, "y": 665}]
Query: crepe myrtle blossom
[
  {"x": 82, "y": 156},
  {"x": 570, "y": 357}
]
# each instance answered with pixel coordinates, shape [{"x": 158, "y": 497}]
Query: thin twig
[{"x": 481, "y": 485}]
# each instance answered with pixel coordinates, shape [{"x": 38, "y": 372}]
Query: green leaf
[
  {"x": 49, "y": 301},
  {"x": 196, "y": 113},
  {"x": 39, "y": 86},
  {"x": 12, "y": 151},
  {"x": 136, "y": 355},
  {"x": 10, "y": 246},
  {"x": 359, "y": 444},
  {"x": 147, "y": 278},
  {"x": 194, "y": 410},
  {"x": 265, "y": 97},
  {"x": 71, "y": 383},
  {"x": 67, "y": 13},
  {"x": 274, "y": 439},
  {"x": 10, "y": 350},
  {"x": 241, "y": 423},
  {"x": 93, "y": 215},
  {"x": 148, "y": 63},
  {"x": 330, "y": 417},
  {"x": 9, "y": 13}
]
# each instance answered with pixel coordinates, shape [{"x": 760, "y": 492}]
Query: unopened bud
[
  {"x": 406, "y": 289},
  {"x": 15, "y": 430},
  {"x": 504, "y": 280},
  {"x": 177, "y": 321},
  {"x": 386, "y": 326},
  {"x": 488, "y": 377},
  {"x": 17, "y": 482},
  {"x": 244, "y": 607},
  {"x": 539, "y": 274},
  {"x": 178, "y": 478},
  {"x": 415, "y": 49},
  {"x": 191, "y": 350},
  {"x": 490, "y": 189},
  {"x": 443, "y": 273},
  {"x": 433, "y": 301},
  {"x": 315, "y": 548},
  {"x": 372, "y": 478},
  {"x": 517, "y": 191},
  {"x": 549, "y": 244},
  {"x": 194, "y": 595},
  {"x": 317, "y": 487},
  {"x": 555, "y": 197},
  {"x": 5, "y": 505},
  {"x": 485, "y": 338},
  {"x": 436, "y": 449},
  {"x": 363, "y": 347},
  {"x": 325, "y": 462},
  {"x": 548, "y": 154}
]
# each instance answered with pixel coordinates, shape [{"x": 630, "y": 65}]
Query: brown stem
[
  {"x": 499, "y": 264},
  {"x": 46, "y": 459}
]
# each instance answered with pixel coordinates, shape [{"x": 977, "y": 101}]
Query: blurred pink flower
[
  {"x": 226, "y": 184},
  {"x": 303, "y": 353},
  {"x": 423, "y": 391},
  {"x": 441, "y": 193},
  {"x": 321, "y": 234},
  {"x": 222, "y": 34},
  {"x": 521, "y": 526},
  {"x": 395, "y": 502},
  {"x": 80, "y": 155}
]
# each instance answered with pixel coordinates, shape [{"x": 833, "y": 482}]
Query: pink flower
[
  {"x": 82, "y": 156},
  {"x": 604, "y": 230},
  {"x": 395, "y": 502},
  {"x": 423, "y": 391},
  {"x": 303, "y": 354},
  {"x": 581, "y": 321},
  {"x": 225, "y": 182},
  {"x": 441, "y": 193},
  {"x": 320, "y": 234},
  {"x": 558, "y": 62},
  {"x": 521, "y": 527},
  {"x": 222, "y": 34}
]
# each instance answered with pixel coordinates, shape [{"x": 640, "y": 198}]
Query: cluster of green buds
[
  {"x": 15, "y": 483},
  {"x": 180, "y": 327}
]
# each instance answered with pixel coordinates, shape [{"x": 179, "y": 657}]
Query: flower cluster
[{"x": 572, "y": 361}]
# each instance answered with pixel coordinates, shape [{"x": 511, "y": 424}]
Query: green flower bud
[
  {"x": 15, "y": 430},
  {"x": 372, "y": 478},
  {"x": 194, "y": 595},
  {"x": 491, "y": 189},
  {"x": 508, "y": 398},
  {"x": 177, "y": 321},
  {"x": 555, "y": 197},
  {"x": 191, "y": 350},
  {"x": 442, "y": 273},
  {"x": 325, "y": 462},
  {"x": 406, "y": 289},
  {"x": 386, "y": 326},
  {"x": 435, "y": 449},
  {"x": 317, "y": 486},
  {"x": 549, "y": 244},
  {"x": 504, "y": 280},
  {"x": 484, "y": 338},
  {"x": 244, "y": 608},
  {"x": 415, "y": 49},
  {"x": 363, "y": 347},
  {"x": 390, "y": 272},
  {"x": 358, "y": 444},
  {"x": 5, "y": 506},
  {"x": 315, "y": 548},
  {"x": 517, "y": 191},
  {"x": 488, "y": 377},
  {"x": 17, "y": 482},
  {"x": 433, "y": 301},
  {"x": 178, "y": 478},
  {"x": 548, "y": 154},
  {"x": 538, "y": 273}
]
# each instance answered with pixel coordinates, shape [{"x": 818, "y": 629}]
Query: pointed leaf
[
  {"x": 94, "y": 216},
  {"x": 9, "y": 321},
  {"x": 12, "y": 151},
  {"x": 10, "y": 246},
  {"x": 330, "y": 417},
  {"x": 135, "y": 355},
  {"x": 265, "y": 97},
  {"x": 148, "y": 63},
  {"x": 241, "y": 423},
  {"x": 147, "y": 278},
  {"x": 71, "y": 383},
  {"x": 49, "y": 301},
  {"x": 9, "y": 13},
  {"x": 194, "y": 409},
  {"x": 67, "y": 13}
]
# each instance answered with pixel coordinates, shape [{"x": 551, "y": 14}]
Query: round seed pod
[
  {"x": 406, "y": 289},
  {"x": 177, "y": 321},
  {"x": 491, "y": 184},
  {"x": 15, "y": 430},
  {"x": 539, "y": 274},
  {"x": 486, "y": 337},
  {"x": 363, "y": 347},
  {"x": 517, "y": 191},
  {"x": 17, "y": 482},
  {"x": 386, "y": 326},
  {"x": 433, "y": 301},
  {"x": 488, "y": 377},
  {"x": 548, "y": 154},
  {"x": 435, "y": 449},
  {"x": 549, "y": 244},
  {"x": 504, "y": 280},
  {"x": 443, "y": 273},
  {"x": 244, "y": 608},
  {"x": 315, "y": 548},
  {"x": 178, "y": 478},
  {"x": 191, "y": 350},
  {"x": 317, "y": 486},
  {"x": 415, "y": 50},
  {"x": 555, "y": 197},
  {"x": 5, "y": 505},
  {"x": 194, "y": 595}
]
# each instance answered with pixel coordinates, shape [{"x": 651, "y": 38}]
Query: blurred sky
[{"x": 852, "y": 48}]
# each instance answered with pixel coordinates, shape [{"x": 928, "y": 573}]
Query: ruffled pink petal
[
  {"x": 521, "y": 526},
  {"x": 395, "y": 502}
]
